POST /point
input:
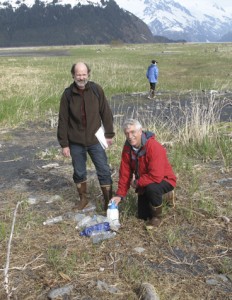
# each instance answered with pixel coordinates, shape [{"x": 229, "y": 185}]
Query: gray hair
[{"x": 131, "y": 122}]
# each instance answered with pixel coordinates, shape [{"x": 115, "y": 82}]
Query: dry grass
[
  {"x": 36, "y": 83},
  {"x": 16, "y": 78},
  {"x": 192, "y": 245}
]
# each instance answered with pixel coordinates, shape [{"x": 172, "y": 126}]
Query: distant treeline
[{"x": 55, "y": 24}]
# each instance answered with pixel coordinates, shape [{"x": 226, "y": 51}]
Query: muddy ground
[{"x": 188, "y": 257}]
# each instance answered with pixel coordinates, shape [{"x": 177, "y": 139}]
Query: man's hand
[
  {"x": 109, "y": 142},
  {"x": 115, "y": 199},
  {"x": 133, "y": 182},
  {"x": 66, "y": 151}
]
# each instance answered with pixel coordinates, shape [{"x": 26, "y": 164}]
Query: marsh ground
[{"x": 188, "y": 257}]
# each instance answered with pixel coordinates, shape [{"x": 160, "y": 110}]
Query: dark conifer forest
[{"x": 55, "y": 24}]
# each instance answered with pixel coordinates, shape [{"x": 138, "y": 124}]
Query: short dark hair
[
  {"x": 154, "y": 61},
  {"x": 74, "y": 65}
]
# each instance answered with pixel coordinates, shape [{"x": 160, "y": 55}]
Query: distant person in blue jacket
[{"x": 152, "y": 75}]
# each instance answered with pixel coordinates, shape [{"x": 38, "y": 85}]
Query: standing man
[
  {"x": 152, "y": 75},
  {"x": 83, "y": 108},
  {"x": 144, "y": 167}
]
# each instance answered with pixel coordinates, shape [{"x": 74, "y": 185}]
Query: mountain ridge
[
  {"x": 173, "y": 19},
  {"x": 184, "y": 19},
  {"x": 55, "y": 24}
]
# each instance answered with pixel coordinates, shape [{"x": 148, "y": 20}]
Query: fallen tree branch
[
  {"x": 184, "y": 262},
  {"x": 6, "y": 276},
  {"x": 25, "y": 266},
  {"x": 193, "y": 211},
  {"x": 213, "y": 257},
  {"x": 114, "y": 261},
  {"x": 16, "y": 159}
]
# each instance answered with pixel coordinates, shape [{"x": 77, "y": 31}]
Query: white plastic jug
[{"x": 113, "y": 215}]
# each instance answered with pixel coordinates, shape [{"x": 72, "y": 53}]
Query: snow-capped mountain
[{"x": 192, "y": 20}]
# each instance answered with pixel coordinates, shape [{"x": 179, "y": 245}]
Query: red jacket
[{"x": 152, "y": 162}]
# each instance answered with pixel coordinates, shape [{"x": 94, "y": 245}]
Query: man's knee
[
  {"x": 153, "y": 189},
  {"x": 154, "y": 194},
  {"x": 156, "y": 201}
]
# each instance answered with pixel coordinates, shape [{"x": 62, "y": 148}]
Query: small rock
[
  {"x": 32, "y": 200},
  {"x": 211, "y": 281},
  {"x": 29, "y": 171},
  {"x": 104, "y": 286},
  {"x": 224, "y": 180},
  {"x": 139, "y": 249},
  {"x": 225, "y": 219},
  {"x": 59, "y": 292},
  {"x": 229, "y": 276},
  {"x": 148, "y": 292},
  {"x": 223, "y": 277}
]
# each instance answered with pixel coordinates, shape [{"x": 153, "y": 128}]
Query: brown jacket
[{"x": 97, "y": 110}]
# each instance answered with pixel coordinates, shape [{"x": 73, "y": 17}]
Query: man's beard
[{"x": 81, "y": 83}]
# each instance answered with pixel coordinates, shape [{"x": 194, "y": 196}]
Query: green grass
[
  {"x": 30, "y": 86},
  {"x": 30, "y": 90},
  {"x": 2, "y": 231}
]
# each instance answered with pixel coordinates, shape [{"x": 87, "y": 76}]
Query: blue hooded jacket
[{"x": 152, "y": 73}]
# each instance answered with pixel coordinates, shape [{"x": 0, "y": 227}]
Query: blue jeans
[{"x": 99, "y": 159}]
